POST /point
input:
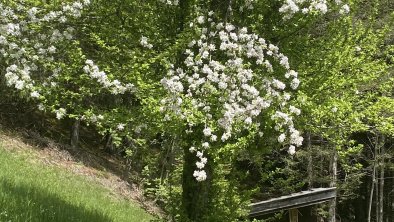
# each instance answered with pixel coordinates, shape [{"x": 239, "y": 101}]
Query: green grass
[{"x": 31, "y": 191}]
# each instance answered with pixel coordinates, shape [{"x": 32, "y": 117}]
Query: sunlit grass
[{"x": 30, "y": 191}]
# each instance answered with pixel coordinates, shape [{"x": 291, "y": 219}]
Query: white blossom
[
  {"x": 201, "y": 19},
  {"x": 35, "y": 94},
  {"x": 295, "y": 83},
  {"x": 334, "y": 109},
  {"x": 192, "y": 149},
  {"x": 41, "y": 107},
  {"x": 295, "y": 110},
  {"x": 200, "y": 175},
  {"x": 292, "y": 7},
  {"x": 114, "y": 86},
  {"x": 199, "y": 154},
  {"x": 200, "y": 165},
  {"x": 281, "y": 138},
  {"x": 120, "y": 126},
  {"x": 207, "y": 131},
  {"x": 205, "y": 145},
  {"x": 345, "y": 9},
  {"x": 291, "y": 150},
  {"x": 60, "y": 113},
  {"x": 144, "y": 42}
]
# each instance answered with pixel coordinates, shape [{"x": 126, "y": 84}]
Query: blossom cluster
[
  {"x": 247, "y": 5},
  {"x": 24, "y": 48},
  {"x": 200, "y": 174},
  {"x": 144, "y": 42},
  {"x": 291, "y": 7},
  {"x": 32, "y": 40},
  {"x": 115, "y": 86},
  {"x": 228, "y": 76},
  {"x": 170, "y": 2}
]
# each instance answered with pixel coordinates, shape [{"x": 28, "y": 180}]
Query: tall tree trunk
[
  {"x": 333, "y": 182},
  {"x": 381, "y": 193},
  {"x": 371, "y": 193},
  {"x": 360, "y": 203},
  {"x": 372, "y": 190},
  {"x": 310, "y": 161},
  {"x": 381, "y": 178},
  {"x": 184, "y": 11},
  {"x": 375, "y": 181},
  {"x": 391, "y": 216},
  {"x": 310, "y": 168},
  {"x": 377, "y": 194},
  {"x": 195, "y": 195},
  {"x": 74, "y": 139}
]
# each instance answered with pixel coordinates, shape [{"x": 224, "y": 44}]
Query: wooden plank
[
  {"x": 296, "y": 200},
  {"x": 293, "y": 214}
]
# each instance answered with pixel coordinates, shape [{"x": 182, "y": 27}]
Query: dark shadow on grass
[{"x": 26, "y": 203}]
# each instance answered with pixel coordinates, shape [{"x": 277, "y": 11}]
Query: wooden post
[{"x": 293, "y": 214}]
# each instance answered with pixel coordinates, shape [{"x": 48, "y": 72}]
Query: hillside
[{"x": 48, "y": 184}]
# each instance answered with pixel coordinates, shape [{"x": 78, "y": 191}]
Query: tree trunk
[
  {"x": 376, "y": 182},
  {"x": 391, "y": 216},
  {"x": 310, "y": 161},
  {"x": 372, "y": 187},
  {"x": 360, "y": 203},
  {"x": 377, "y": 194},
  {"x": 184, "y": 11},
  {"x": 333, "y": 182},
  {"x": 109, "y": 145},
  {"x": 74, "y": 140},
  {"x": 195, "y": 195},
  {"x": 381, "y": 179},
  {"x": 372, "y": 190},
  {"x": 310, "y": 168},
  {"x": 381, "y": 193}
]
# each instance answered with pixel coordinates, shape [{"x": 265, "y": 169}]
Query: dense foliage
[{"x": 217, "y": 102}]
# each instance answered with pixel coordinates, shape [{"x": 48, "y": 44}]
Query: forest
[{"x": 211, "y": 105}]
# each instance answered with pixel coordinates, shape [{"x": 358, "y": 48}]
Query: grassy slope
[{"x": 32, "y": 191}]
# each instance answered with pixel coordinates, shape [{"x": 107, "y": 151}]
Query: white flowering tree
[
  {"x": 229, "y": 88},
  {"x": 47, "y": 56},
  {"x": 232, "y": 84},
  {"x": 228, "y": 85}
]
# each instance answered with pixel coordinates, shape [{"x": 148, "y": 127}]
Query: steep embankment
[{"x": 48, "y": 184}]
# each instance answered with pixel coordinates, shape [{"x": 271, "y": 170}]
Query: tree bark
[
  {"x": 371, "y": 193},
  {"x": 184, "y": 11},
  {"x": 375, "y": 181},
  {"x": 195, "y": 195},
  {"x": 381, "y": 178},
  {"x": 74, "y": 140},
  {"x": 391, "y": 216},
  {"x": 333, "y": 182},
  {"x": 310, "y": 161},
  {"x": 381, "y": 194},
  {"x": 109, "y": 145},
  {"x": 377, "y": 194},
  {"x": 372, "y": 190}
]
